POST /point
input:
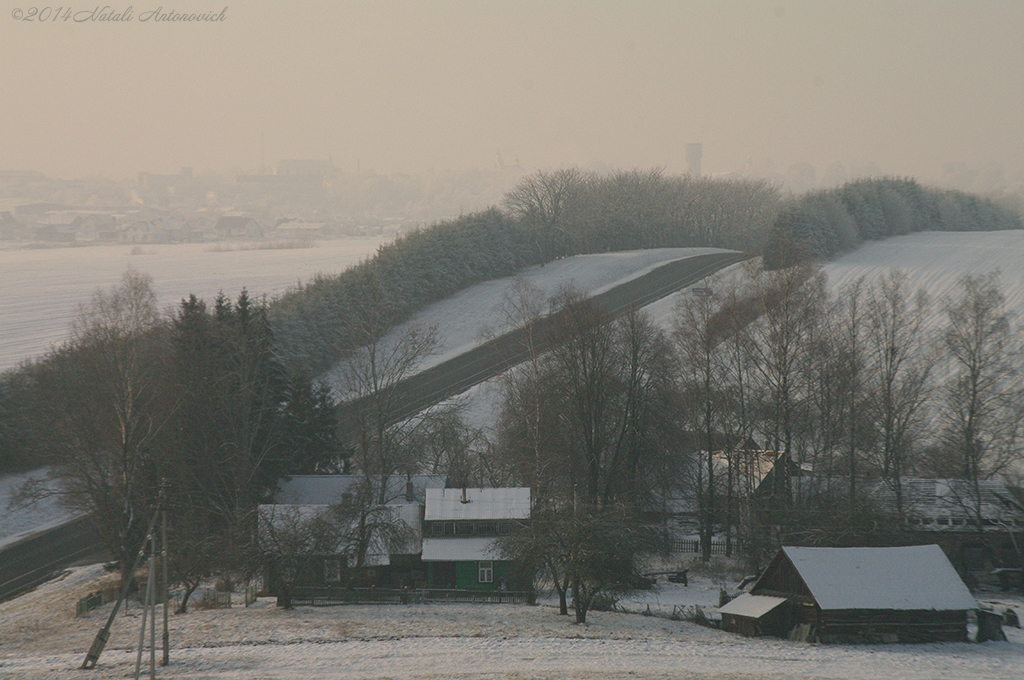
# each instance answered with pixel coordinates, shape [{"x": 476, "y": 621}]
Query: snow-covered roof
[
  {"x": 952, "y": 504},
  {"x": 477, "y": 504},
  {"x": 290, "y": 526},
  {"x": 459, "y": 549},
  {"x": 329, "y": 489},
  {"x": 754, "y": 606},
  {"x": 906, "y": 578}
]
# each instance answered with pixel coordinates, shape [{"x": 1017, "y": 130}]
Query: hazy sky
[{"x": 412, "y": 86}]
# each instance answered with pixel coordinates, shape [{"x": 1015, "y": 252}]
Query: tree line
[
  {"x": 192, "y": 409},
  {"x": 770, "y": 409},
  {"x": 215, "y": 403},
  {"x": 822, "y": 224},
  {"x": 549, "y": 215}
]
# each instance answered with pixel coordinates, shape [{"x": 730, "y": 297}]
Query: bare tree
[
  {"x": 900, "y": 365},
  {"x": 698, "y": 332},
  {"x": 372, "y": 369},
  {"x": 984, "y": 400},
  {"x": 587, "y": 425},
  {"x": 543, "y": 202},
  {"x": 585, "y": 549},
  {"x": 103, "y": 413},
  {"x": 791, "y": 301}
]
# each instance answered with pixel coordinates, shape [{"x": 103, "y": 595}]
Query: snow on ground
[
  {"x": 40, "y": 638},
  {"x": 41, "y": 288},
  {"x": 16, "y": 522},
  {"x": 935, "y": 261},
  {"x": 469, "y": 317}
]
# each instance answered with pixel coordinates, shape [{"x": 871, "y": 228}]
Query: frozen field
[
  {"x": 40, "y": 638},
  {"x": 41, "y": 288},
  {"x": 934, "y": 261}
]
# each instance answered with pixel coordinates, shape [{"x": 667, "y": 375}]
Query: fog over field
[{"x": 41, "y": 288}]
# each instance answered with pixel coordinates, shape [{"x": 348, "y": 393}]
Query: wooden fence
[
  {"x": 322, "y": 597},
  {"x": 677, "y": 545}
]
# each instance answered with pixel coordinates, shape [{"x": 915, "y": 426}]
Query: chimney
[
  {"x": 464, "y": 499},
  {"x": 409, "y": 496}
]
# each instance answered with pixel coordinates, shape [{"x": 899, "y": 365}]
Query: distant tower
[{"x": 693, "y": 154}]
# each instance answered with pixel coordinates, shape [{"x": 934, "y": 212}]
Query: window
[
  {"x": 485, "y": 572},
  {"x": 332, "y": 571}
]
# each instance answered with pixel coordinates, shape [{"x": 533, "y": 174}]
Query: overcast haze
[{"x": 906, "y": 88}]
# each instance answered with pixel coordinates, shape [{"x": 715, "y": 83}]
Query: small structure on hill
[{"x": 856, "y": 595}]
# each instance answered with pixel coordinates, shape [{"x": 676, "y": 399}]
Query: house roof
[
  {"x": 288, "y": 523},
  {"x": 905, "y": 578},
  {"x": 459, "y": 549},
  {"x": 754, "y": 606},
  {"x": 952, "y": 504},
  {"x": 329, "y": 489},
  {"x": 477, "y": 504},
  {"x": 232, "y": 222}
]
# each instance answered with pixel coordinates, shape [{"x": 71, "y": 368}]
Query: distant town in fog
[{"x": 309, "y": 199}]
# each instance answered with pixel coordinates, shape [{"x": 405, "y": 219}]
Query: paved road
[
  {"x": 486, "y": 361},
  {"x": 35, "y": 559}
]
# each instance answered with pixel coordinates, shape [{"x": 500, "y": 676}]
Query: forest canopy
[{"x": 823, "y": 224}]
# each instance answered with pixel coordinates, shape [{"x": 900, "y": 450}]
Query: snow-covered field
[
  {"x": 40, "y": 638},
  {"x": 935, "y": 261},
  {"x": 41, "y": 288},
  {"x": 36, "y": 314},
  {"x": 469, "y": 317}
]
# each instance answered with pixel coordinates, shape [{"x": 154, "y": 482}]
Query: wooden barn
[{"x": 906, "y": 594}]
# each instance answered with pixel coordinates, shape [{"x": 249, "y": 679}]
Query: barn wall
[{"x": 873, "y": 625}]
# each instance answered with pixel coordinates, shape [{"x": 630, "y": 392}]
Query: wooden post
[
  {"x": 93, "y": 655},
  {"x": 148, "y": 610},
  {"x": 167, "y": 637}
]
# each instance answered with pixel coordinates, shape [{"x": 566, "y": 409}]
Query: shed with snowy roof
[
  {"x": 461, "y": 528},
  {"x": 900, "y": 594}
]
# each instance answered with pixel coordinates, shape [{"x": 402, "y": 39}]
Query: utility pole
[
  {"x": 149, "y": 608},
  {"x": 100, "y": 641},
  {"x": 163, "y": 508},
  {"x": 149, "y": 611}
]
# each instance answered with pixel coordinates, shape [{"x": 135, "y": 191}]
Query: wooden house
[
  {"x": 903, "y": 594},
  {"x": 300, "y": 555},
  {"x": 460, "y": 532}
]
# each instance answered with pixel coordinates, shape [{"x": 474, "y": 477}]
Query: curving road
[
  {"x": 492, "y": 358},
  {"x": 34, "y": 560}
]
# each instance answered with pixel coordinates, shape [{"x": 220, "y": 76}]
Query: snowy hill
[
  {"x": 41, "y": 638},
  {"x": 469, "y": 317},
  {"x": 934, "y": 261}
]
